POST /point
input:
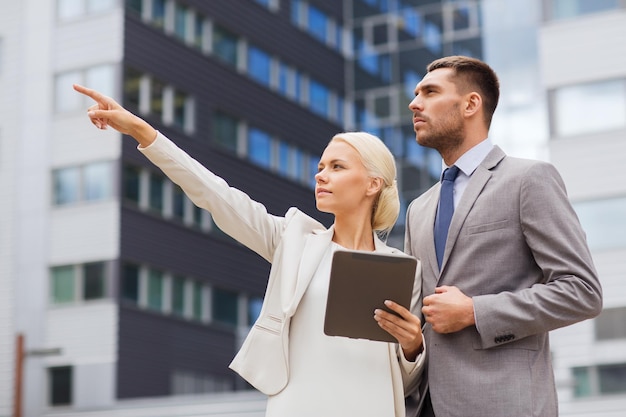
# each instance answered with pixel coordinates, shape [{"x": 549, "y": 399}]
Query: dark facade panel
[
  {"x": 152, "y": 347},
  {"x": 275, "y": 33},
  {"x": 216, "y": 86}
]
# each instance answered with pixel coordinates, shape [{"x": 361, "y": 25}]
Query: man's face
[{"x": 436, "y": 108}]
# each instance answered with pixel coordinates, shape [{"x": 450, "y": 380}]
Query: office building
[{"x": 583, "y": 68}]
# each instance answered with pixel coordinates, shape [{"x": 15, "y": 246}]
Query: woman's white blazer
[{"x": 294, "y": 245}]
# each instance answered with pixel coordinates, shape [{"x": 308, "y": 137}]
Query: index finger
[{"x": 89, "y": 93}]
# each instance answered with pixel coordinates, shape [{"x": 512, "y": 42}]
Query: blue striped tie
[{"x": 446, "y": 209}]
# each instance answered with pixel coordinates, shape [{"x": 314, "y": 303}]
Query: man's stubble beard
[{"x": 447, "y": 136}]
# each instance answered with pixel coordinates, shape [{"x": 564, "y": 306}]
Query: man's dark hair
[{"x": 473, "y": 75}]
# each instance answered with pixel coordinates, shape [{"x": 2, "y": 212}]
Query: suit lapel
[{"x": 477, "y": 182}]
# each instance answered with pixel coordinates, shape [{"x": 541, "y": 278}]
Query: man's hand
[
  {"x": 407, "y": 328},
  {"x": 448, "y": 310}
]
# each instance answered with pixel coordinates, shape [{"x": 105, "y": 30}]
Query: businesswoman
[{"x": 286, "y": 355}]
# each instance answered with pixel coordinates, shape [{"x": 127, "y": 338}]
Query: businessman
[{"x": 504, "y": 258}]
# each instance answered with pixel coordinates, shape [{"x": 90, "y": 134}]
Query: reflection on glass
[
  {"x": 97, "y": 181},
  {"x": 225, "y": 131},
  {"x": 156, "y": 192},
  {"x": 131, "y": 184},
  {"x": 317, "y": 24},
  {"x": 66, "y": 98},
  {"x": 225, "y": 45},
  {"x": 259, "y": 65},
  {"x": 158, "y": 13},
  {"x": 94, "y": 280},
  {"x": 180, "y": 21},
  {"x": 130, "y": 283},
  {"x": 101, "y": 78},
  {"x": 318, "y": 98},
  {"x": 259, "y": 147},
  {"x": 225, "y": 306},
  {"x": 571, "y": 8},
  {"x": 63, "y": 283},
  {"x": 69, "y": 9},
  {"x": 178, "y": 296},
  {"x": 155, "y": 290},
  {"x": 66, "y": 185}
]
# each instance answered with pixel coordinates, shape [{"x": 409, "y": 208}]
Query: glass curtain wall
[{"x": 393, "y": 42}]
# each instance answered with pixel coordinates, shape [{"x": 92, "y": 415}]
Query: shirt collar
[{"x": 469, "y": 161}]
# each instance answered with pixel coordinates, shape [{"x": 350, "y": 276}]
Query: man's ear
[
  {"x": 473, "y": 104},
  {"x": 376, "y": 184}
]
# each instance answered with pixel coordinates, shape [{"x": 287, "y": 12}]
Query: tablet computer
[{"x": 360, "y": 282}]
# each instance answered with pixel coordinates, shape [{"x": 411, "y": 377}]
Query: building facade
[{"x": 583, "y": 67}]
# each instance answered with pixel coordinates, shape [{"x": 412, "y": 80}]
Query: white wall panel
[
  {"x": 86, "y": 232},
  {"x": 591, "y": 165},
  {"x": 576, "y": 50}
]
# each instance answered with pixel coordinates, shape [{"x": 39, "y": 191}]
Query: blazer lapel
[
  {"x": 477, "y": 182},
  {"x": 314, "y": 248}
]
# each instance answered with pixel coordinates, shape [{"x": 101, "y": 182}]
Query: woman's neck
[{"x": 353, "y": 235}]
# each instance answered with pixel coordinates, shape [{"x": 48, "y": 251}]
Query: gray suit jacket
[{"x": 516, "y": 247}]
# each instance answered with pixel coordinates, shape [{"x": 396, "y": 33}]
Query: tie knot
[{"x": 450, "y": 173}]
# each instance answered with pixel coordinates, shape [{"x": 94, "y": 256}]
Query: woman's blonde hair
[{"x": 379, "y": 162}]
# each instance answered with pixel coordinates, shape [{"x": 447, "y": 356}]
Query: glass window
[
  {"x": 254, "y": 309},
  {"x": 582, "y": 382},
  {"x": 604, "y": 104},
  {"x": 198, "y": 31},
  {"x": 158, "y": 13},
  {"x": 225, "y": 45},
  {"x": 259, "y": 147},
  {"x": 63, "y": 284},
  {"x": 155, "y": 290},
  {"x": 178, "y": 203},
  {"x": 70, "y": 9},
  {"x": 610, "y": 324},
  {"x": 66, "y": 98},
  {"x": 94, "y": 279},
  {"x": 101, "y": 78},
  {"x": 225, "y": 131},
  {"x": 284, "y": 159},
  {"x": 97, "y": 181},
  {"x": 131, "y": 184},
  {"x": 197, "y": 215},
  {"x": 180, "y": 109},
  {"x": 178, "y": 296},
  {"x": 225, "y": 306},
  {"x": 284, "y": 79},
  {"x": 317, "y": 24},
  {"x": 132, "y": 89},
  {"x": 157, "y": 184},
  {"x": 259, "y": 65},
  {"x": 60, "y": 385},
  {"x": 312, "y": 165},
  {"x": 135, "y": 6},
  {"x": 604, "y": 222},
  {"x": 296, "y": 12},
  {"x": 571, "y": 8},
  {"x": 130, "y": 283},
  {"x": 432, "y": 37},
  {"x": 318, "y": 98},
  {"x": 612, "y": 378},
  {"x": 99, "y": 6},
  {"x": 66, "y": 185},
  {"x": 180, "y": 21},
  {"x": 197, "y": 304},
  {"x": 156, "y": 97}
]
